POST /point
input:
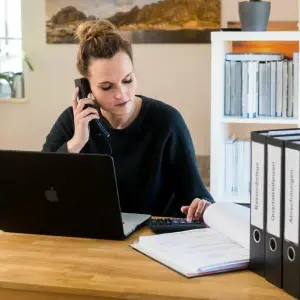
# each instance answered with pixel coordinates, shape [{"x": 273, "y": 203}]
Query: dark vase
[{"x": 254, "y": 16}]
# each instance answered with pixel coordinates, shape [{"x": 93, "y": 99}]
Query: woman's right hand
[{"x": 82, "y": 117}]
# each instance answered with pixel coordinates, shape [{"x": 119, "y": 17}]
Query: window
[{"x": 10, "y": 42}]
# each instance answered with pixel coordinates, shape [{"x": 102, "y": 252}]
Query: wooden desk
[{"x": 57, "y": 268}]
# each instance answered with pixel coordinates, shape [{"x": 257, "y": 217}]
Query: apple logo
[{"x": 51, "y": 195}]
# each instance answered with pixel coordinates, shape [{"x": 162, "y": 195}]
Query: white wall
[{"x": 177, "y": 74}]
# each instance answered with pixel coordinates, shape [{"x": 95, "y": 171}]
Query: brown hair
[{"x": 98, "y": 39}]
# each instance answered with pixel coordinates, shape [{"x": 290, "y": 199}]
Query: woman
[{"x": 152, "y": 148}]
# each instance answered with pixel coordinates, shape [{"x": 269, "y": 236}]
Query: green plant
[
  {"x": 26, "y": 59},
  {"x": 9, "y": 78}
]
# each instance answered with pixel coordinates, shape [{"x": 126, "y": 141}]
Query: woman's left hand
[{"x": 196, "y": 209}]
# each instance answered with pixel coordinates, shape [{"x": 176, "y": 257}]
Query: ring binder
[
  {"x": 291, "y": 250},
  {"x": 275, "y": 207},
  {"x": 258, "y": 195}
]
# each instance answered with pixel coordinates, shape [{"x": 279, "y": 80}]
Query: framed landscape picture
[{"x": 138, "y": 21}]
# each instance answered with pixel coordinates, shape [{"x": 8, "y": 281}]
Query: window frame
[
  {"x": 6, "y": 38},
  {"x": 10, "y": 62}
]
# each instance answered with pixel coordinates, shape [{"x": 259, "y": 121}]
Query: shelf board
[
  {"x": 235, "y": 199},
  {"x": 260, "y": 120},
  {"x": 13, "y": 100},
  {"x": 255, "y": 36}
]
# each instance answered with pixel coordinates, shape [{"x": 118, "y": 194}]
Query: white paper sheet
[
  {"x": 231, "y": 219},
  {"x": 197, "y": 250},
  {"x": 222, "y": 247}
]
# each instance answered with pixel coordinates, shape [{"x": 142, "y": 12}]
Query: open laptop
[{"x": 62, "y": 194}]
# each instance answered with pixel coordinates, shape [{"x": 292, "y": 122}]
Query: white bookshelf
[
  {"x": 222, "y": 126},
  {"x": 259, "y": 120}
]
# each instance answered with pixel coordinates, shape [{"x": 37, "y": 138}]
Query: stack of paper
[{"x": 222, "y": 247}]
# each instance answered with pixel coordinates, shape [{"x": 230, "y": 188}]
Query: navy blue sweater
[{"x": 154, "y": 157}]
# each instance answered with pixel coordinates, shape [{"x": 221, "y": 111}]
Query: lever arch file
[
  {"x": 258, "y": 195},
  {"x": 275, "y": 207},
  {"x": 291, "y": 250}
]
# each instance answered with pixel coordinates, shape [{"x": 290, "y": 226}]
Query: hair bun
[{"x": 92, "y": 29}]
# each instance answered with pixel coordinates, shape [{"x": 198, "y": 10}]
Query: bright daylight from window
[{"x": 11, "y": 70}]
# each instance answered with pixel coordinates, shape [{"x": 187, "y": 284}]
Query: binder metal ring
[
  {"x": 256, "y": 236},
  {"x": 272, "y": 244},
  {"x": 291, "y": 253}
]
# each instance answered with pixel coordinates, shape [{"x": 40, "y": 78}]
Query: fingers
[
  {"x": 184, "y": 209},
  {"x": 91, "y": 96},
  {"x": 85, "y": 121},
  {"x": 92, "y": 117},
  {"x": 192, "y": 209},
  {"x": 74, "y": 100},
  {"x": 195, "y": 210},
  {"x": 86, "y": 112},
  {"x": 203, "y": 204},
  {"x": 81, "y": 104},
  {"x": 82, "y": 116}
]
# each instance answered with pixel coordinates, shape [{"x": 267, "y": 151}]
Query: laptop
[{"x": 62, "y": 194}]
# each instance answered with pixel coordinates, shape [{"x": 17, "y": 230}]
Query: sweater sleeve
[
  {"x": 185, "y": 172},
  {"x": 61, "y": 132}
]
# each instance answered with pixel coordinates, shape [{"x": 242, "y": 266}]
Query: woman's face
[{"x": 113, "y": 83}]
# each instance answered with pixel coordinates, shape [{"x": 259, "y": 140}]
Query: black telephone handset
[
  {"x": 84, "y": 87},
  {"x": 84, "y": 91}
]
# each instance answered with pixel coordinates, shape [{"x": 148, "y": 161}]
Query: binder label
[
  {"x": 257, "y": 185},
  {"x": 291, "y": 217},
  {"x": 273, "y": 192}
]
